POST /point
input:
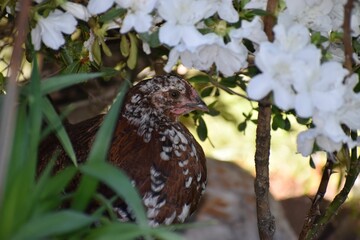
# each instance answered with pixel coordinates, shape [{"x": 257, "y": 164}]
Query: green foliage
[
  {"x": 31, "y": 203},
  {"x": 2, "y": 84}
]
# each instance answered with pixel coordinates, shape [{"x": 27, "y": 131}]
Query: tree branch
[
  {"x": 314, "y": 225},
  {"x": 266, "y": 222},
  {"x": 347, "y": 40},
  {"x": 314, "y": 211},
  {"x": 226, "y": 89},
  {"x": 8, "y": 111}
]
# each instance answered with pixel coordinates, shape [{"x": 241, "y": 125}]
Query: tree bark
[{"x": 266, "y": 221}]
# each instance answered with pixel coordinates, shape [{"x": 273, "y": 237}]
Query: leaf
[
  {"x": 213, "y": 112},
  {"x": 49, "y": 190},
  {"x": 132, "y": 60},
  {"x": 199, "y": 79},
  {"x": 120, "y": 183},
  {"x": 242, "y": 126},
  {"x": 35, "y": 117},
  {"x": 2, "y": 84},
  {"x": 117, "y": 231},
  {"x": 206, "y": 92},
  {"x": 202, "y": 129},
  {"x": 105, "y": 48},
  {"x": 151, "y": 39},
  {"x": 72, "y": 68},
  {"x": 229, "y": 81},
  {"x": 124, "y": 46},
  {"x": 112, "y": 14},
  {"x": 99, "y": 151},
  {"x": 55, "y": 122},
  {"x": 96, "y": 51},
  {"x": 52, "y": 224},
  {"x": 53, "y": 84},
  {"x": 312, "y": 163}
]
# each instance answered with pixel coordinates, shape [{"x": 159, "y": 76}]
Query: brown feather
[{"x": 157, "y": 152}]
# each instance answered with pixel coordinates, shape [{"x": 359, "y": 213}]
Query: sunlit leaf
[{"x": 51, "y": 224}]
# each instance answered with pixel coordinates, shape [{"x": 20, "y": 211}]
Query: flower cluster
[
  {"x": 209, "y": 35},
  {"x": 182, "y": 29},
  {"x": 292, "y": 69}
]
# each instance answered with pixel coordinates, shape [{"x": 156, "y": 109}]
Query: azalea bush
[{"x": 296, "y": 58}]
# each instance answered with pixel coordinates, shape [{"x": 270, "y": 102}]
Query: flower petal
[
  {"x": 99, "y": 6},
  {"x": 259, "y": 86}
]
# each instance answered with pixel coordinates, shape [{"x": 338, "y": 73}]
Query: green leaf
[
  {"x": 72, "y": 68},
  {"x": 229, "y": 81},
  {"x": 199, "y": 79},
  {"x": 55, "y": 122},
  {"x": 98, "y": 153},
  {"x": 53, "y": 224},
  {"x": 120, "y": 183},
  {"x": 96, "y": 51},
  {"x": 312, "y": 163},
  {"x": 49, "y": 190},
  {"x": 202, "y": 129},
  {"x": 132, "y": 60},
  {"x": 206, "y": 92},
  {"x": 152, "y": 39},
  {"x": 35, "y": 117},
  {"x": 124, "y": 46},
  {"x": 112, "y": 14},
  {"x": 213, "y": 112},
  {"x": 59, "y": 82},
  {"x": 242, "y": 126},
  {"x": 115, "y": 231},
  {"x": 2, "y": 84},
  {"x": 57, "y": 183}
]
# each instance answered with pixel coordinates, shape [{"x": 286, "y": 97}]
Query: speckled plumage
[{"x": 157, "y": 152}]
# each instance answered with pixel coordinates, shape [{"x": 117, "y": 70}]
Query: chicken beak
[{"x": 198, "y": 104}]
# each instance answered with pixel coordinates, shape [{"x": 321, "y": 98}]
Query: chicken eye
[{"x": 174, "y": 94}]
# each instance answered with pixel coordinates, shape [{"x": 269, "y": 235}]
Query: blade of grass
[
  {"x": 98, "y": 152},
  {"x": 52, "y": 224},
  {"x": 62, "y": 81},
  {"x": 118, "y": 230},
  {"x": 120, "y": 183},
  {"x": 35, "y": 117},
  {"x": 54, "y": 121}
]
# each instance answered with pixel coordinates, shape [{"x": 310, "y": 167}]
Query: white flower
[
  {"x": 50, "y": 29},
  {"x": 250, "y": 30},
  {"x": 228, "y": 58},
  {"x": 328, "y": 132},
  {"x": 77, "y": 10},
  {"x": 313, "y": 14},
  {"x": 138, "y": 15},
  {"x": 180, "y": 51},
  {"x": 306, "y": 139},
  {"x": 319, "y": 88},
  {"x": 225, "y": 10},
  {"x": 100, "y": 6},
  {"x": 181, "y": 17},
  {"x": 291, "y": 38},
  {"x": 355, "y": 20},
  {"x": 256, "y": 4},
  {"x": 293, "y": 59},
  {"x": 276, "y": 76},
  {"x": 279, "y": 73},
  {"x": 88, "y": 45}
]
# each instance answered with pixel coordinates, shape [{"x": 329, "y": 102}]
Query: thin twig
[
  {"x": 347, "y": 40},
  {"x": 9, "y": 109},
  {"x": 228, "y": 90},
  {"x": 312, "y": 229},
  {"x": 266, "y": 221},
  {"x": 314, "y": 211}
]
